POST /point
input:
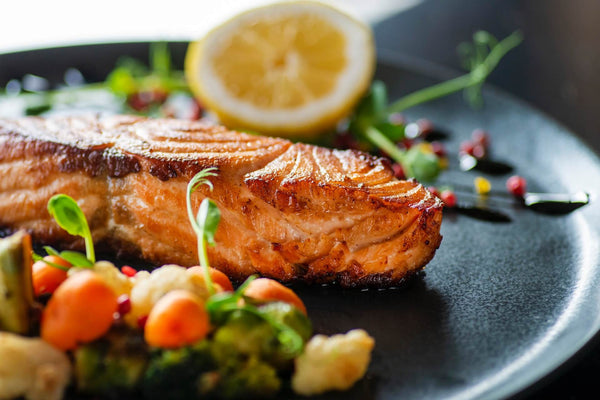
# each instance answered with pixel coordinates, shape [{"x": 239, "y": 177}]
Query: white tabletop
[{"x": 31, "y": 24}]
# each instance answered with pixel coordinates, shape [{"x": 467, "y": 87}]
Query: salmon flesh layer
[{"x": 289, "y": 211}]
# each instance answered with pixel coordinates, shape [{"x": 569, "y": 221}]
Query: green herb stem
[
  {"x": 376, "y": 137},
  {"x": 89, "y": 247},
  {"x": 203, "y": 255},
  {"x": 204, "y": 232},
  {"x": 202, "y": 251},
  {"x": 477, "y": 76},
  {"x": 37, "y": 257}
]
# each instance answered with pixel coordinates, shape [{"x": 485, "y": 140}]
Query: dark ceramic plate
[{"x": 502, "y": 305}]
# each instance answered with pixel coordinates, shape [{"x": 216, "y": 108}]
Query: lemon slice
[{"x": 290, "y": 69}]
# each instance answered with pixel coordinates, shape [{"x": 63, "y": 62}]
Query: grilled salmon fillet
[{"x": 289, "y": 211}]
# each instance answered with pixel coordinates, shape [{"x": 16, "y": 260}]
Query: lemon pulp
[{"x": 287, "y": 68}]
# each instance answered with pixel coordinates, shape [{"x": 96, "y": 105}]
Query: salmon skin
[{"x": 293, "y": 212}]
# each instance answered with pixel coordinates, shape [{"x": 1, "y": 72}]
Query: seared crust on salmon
[{"x": 289, "y": 211}]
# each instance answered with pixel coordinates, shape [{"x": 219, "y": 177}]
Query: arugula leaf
[{"x": 68, "y": 215}]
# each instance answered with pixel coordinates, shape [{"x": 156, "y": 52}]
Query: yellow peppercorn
[
  {"x": 482, "y": 185},
  {"x": 443, "y": 162},
  {"x": 426, "y": 148}
]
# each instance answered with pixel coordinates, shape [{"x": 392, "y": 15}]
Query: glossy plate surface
[{"x": 502, "y": 304}]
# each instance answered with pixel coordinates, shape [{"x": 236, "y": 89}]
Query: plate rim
[{"x": 423, "y": 67}]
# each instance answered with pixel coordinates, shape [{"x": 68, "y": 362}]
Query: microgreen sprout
[
  {"x": 205, "y": 223},
  {"x": 221, "y": 305},
  {"x": 37, "y": 257},
  {"x": 68, "y": 215},
  {"x": 370, "y": 119}
]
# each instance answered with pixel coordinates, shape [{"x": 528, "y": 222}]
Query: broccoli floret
[
  {"x": 244, "y": 358},
  {"x": 176, "y": 374},
  {"x": 246, "y": 378},
  {"x": 112, "y": 365},
  {"x": 252, "y": 335},
  {"x": 289, "y": 315},
  {"x": 246, "y": 334}
]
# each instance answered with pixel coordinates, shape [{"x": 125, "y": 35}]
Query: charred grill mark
[{"x": 290, "y": 211}]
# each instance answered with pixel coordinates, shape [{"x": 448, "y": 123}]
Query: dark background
[{"x": 556, "y": 69}]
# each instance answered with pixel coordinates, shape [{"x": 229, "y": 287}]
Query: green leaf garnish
[
  {"x": 206, "y": 222},
  {"x": 68, "y": 215},
  {"x": 51, "y": 251},
  {"x": 221, "y": 305},
  {"x": 160, "y": 59},
  {"x": 369, "y": 121},
  {"x": 121, "y": 82},
  {"x": 37, "y": 257},
  {"x": 423, "y": 165},
  {"x": 76, "y": 258},
  {"x": 208, "y": 218}
]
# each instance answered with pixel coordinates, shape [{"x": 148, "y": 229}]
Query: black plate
[{"x": 502, "y": 305}]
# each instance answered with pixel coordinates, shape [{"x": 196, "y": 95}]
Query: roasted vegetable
[
  {"x": 113, "y": 365},
  {"x": 243, "y": 359},
  {"x": 291, "y": 316},
  {"x": 244, "y": 377},
  {"x": 332, "y": 363},
  {"x": 176, "y": 374},
  {"x": 16, "y": 288},
  {"x": 31, "y": 369},
  {"x": 246, "y": 334}
]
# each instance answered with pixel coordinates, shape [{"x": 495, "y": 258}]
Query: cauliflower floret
[
  {"x": 120, "y": 283},
  {"x": 36, "y": 371},
  {"x": 147, "y": 291},
  {"x": 332, "y": 363}
]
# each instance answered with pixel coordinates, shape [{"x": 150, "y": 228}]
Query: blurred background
[{"x": 556, "y": 69}]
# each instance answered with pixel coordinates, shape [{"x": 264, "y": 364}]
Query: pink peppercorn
[
  {"x": 479, "y": 151},
  {"x": 128, "y": 271},
  {"x": 141, "y": 321},
  {"x": 124, "y": 304},
  {"x": 398, "y": 171},
  {"x": 434, "y": 191},
  {"x": 425, "y": 127},
  {"x": 438, "y": 149},
  {"x": 449, "y": 198},
  {"x": 516, "y": 185},
  {"x": 466, "y": 147},
  {"x": 397, "y": 119},
  {"x": 481, "y": 137}
]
